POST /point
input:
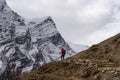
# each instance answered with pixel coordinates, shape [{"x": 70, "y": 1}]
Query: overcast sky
[{"x": 79, "y": 21}]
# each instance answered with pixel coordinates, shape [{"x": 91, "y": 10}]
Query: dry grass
[{"x": 91, "y": 64}]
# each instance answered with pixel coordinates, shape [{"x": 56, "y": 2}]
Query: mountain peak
[{"x": 26, "y": 44}]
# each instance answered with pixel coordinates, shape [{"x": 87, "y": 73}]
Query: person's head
[{"x": 62, "y": 48}]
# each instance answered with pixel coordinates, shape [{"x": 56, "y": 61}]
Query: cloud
[
  {"x": 107, "y": 31},
  {"x": 79, "y": 21}
]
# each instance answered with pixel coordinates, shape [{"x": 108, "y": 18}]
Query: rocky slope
[
  {"x": 26, "y": 44},
  {"x": 99, "y": 62}
]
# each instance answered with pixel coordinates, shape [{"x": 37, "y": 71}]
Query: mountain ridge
[
  {"x": 78, "y": 47},
  {"x": 27, "y": 44},
  {"x": 95, "y": 63}
]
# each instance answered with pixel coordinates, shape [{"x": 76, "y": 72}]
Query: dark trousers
[{"x": 62, "y": 57}]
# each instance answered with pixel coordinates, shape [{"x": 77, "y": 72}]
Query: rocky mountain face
[
  {"x": 26, "y": 44},
  {"x": 99, "y": 62}
]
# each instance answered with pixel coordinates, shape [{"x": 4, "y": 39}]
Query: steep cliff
[{"x": 26, "y": 44}]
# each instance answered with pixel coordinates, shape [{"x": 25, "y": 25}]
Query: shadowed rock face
[{"x": 27, "y": 44}]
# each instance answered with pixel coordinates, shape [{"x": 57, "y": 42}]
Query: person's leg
[{"x": 63, "y": 57}]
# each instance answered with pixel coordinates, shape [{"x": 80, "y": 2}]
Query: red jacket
[{"x": 62, "y": 51}]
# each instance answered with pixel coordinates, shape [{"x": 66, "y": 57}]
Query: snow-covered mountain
[
  {"x": 78, "y": 47},
  {"x": 26, "y": 44}
]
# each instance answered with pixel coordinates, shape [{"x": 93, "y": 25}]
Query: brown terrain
[{"x": 99, "y": 62}]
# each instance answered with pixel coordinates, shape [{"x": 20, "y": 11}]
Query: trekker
[{"x": 62, "y": 53}]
